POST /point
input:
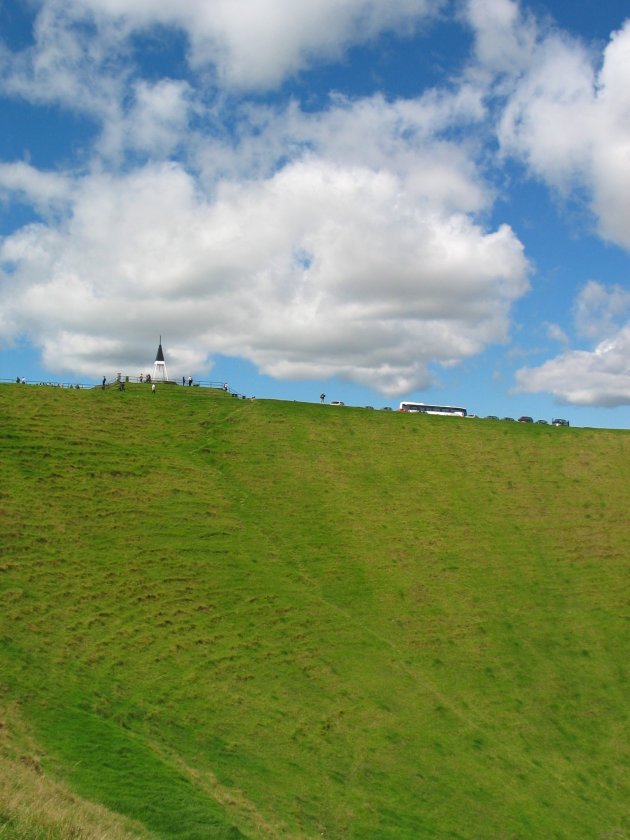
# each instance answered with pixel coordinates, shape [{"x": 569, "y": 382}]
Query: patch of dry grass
[{"x": 33, "y": 806}]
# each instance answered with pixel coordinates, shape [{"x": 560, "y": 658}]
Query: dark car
[
  {"x": 542, "y": 422},
  {"x": 509, "y": 419},
  {"x": 525, "y": 419},
  {"x": 559, "y": 422}
]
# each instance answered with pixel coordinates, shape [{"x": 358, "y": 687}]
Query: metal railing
[
  {"x": 124, "y": 379},
  {"x": 48, "y": 383}
]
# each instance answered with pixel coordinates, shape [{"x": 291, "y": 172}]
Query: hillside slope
[{"x": 226, "y": 618}]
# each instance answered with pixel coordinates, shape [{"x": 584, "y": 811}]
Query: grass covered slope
[{"x": 226, "y": 618}]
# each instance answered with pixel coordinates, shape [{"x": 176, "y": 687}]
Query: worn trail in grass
[{"x": 267, "y": 619}]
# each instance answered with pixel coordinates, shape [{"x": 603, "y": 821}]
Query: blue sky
[{"x": 423, "y": 200}]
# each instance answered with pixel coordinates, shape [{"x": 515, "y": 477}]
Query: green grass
[{"x": 226, "y": 618}]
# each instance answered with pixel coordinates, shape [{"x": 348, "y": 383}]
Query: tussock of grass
[{"x": 227, "y": 618}]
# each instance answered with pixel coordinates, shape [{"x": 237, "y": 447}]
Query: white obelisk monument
[{"x": 159, "y": 368}]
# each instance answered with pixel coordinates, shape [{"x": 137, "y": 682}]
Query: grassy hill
[{"x": 224, "y": 618}]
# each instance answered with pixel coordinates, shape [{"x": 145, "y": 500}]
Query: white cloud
[
  {"x": 405, "y": 137},
  {"x": 598, "y": 377},
  {"x": 255, "y": 45},
  {"x": 566, "y": 117},
  {"x": 337, "y": 243},
  {"x": 43, "y": 190},
  {"x": 504, "y": 36},
  {"x": 547, "y": 120},
  {"x": 78, "y": 66},
  {"x": 600, "y": 310},
  {"x": 341, "y": 242},
  {"x": 610, "y": 174},
  {"x": 556, "y": 333},
  {"x": 86, "y": 66},
  {"x": 251, "y": 44},
  {"x": 563, "y": 110},
  {"x": 83, "y": 58},
  {"x": 155, "y": 121},
  {"x": 319, "y": 268}
]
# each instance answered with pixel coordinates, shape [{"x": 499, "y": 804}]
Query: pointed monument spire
[{"x": 159, "y": 368}]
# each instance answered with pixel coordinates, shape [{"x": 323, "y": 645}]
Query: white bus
[{"x": 424, "y": 408}]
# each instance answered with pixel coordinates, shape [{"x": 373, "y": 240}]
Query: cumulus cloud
[
  {"x": 347, "y": 241},
  {"x": 343, "y": 242},
  {"x": 565, "y": 115},
  {"x": 250, "y": 44},
  {"x": 410, "y": 138},
  {"x": 154, "y": 121},
  {"x": 556, "y": 333},
  {"x": 79, "y": 66},
  {"x": 600, "y": 376},
  {"x": 582, "y": 377},
  {"x": 546, "y": 121},
  {"x": 43, "y": 190},
  {"x": 599, "y": 310},
  {"x": 610, "y": 175},
  {"x": 85, "y": 57},
  {"x": 504, "y": 35},
  {"x": 561, "y": 108},
  {"x": 318, "y": 270},
  {"x": 256, "y": 45}
]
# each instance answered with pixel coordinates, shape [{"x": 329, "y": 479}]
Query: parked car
[
  {"x": 525, "y": 419},
  {"x": 542, "y": 422},
  {"x": 559, "y": 422},
  {"x": 492, "y": 417},
  {"x": 337, "y": 402},
  {"x": 510, "y": 419}
]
